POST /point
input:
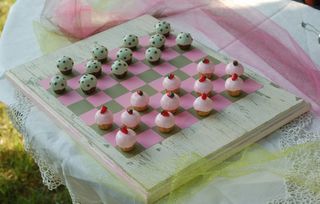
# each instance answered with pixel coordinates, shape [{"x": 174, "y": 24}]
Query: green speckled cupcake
[
  {"x": 125, "y": 54},
  {"x": 58, "y": 84},
  {"x": 184, "y": 41},
  {"x": 119, "y": 69},
  {"x": 163, "y": 27},
  {"x": 65, "y": 65},
  {"x": 158, "y": 41},
  {"x": 100, "y": 53},
  {"x": 153, "y": 55},
  {"x": 88, "y": 83},
  {"x": 131, "y": 41},
  {"x": 94, "y": 67}
]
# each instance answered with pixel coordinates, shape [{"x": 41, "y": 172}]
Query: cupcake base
[
  {"x": 155, "y": 62},
  {"x": 166, "y": 34},
  {"x": 165, "y": 130},
  {"x": 208, "y": 75},
  {"x": 96, "y": 74},
  {"x": 90, "y": 91},
  {"x": 176, "y": 91},
  {"x": 105, "y": 126},
  {"x": 120, "y": 76},
  {"x": 127, "y": 149},
  {"x": 103, "y": 61},
  {"x": 173, "y": 111},
  {"x": 184, "y": 47},
  {"x": 61, "y": 91},
  {"x": 203, "y": 114},
  {"x": 129, "y": 61},
  {"x": 66, "y": 72},
  {"x": 140, "y": 108},
  {"x": 234, "y": 93},
  {"x": 208, "y": 94}
]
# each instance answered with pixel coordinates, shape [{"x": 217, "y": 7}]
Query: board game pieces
[
  {"x": 88, "y": 83},
  {"x": 94, "y": 67},
  {"x": 163, "y": 27},
  {"x": 184, "y": 41},
  {"x": 119, "y": 69},
  {"x": 165, "y": 121},
  {"x": 130, "y": 118},
  {"x": 126, "y": 139},
  {"x": 130, "y": 41},
  {"x": 58, "y": 84},
  {"x": 100, "y": 53},
  {"x": 153, "y": 55},
  {"x": 139, "y": 101},
  {"x": 203, "y": 86},
  {"x": 205, "y": 67},
  {"x": 104, "y": 118},
  {"x": 171, "y": 83},
  {"x": 203, "y": 105},
  {"x": 234, "y": 68},
  {"x": 125, "y": 54},
  {"x": 234, "y": 85},
  {"x": 65, "y": 65},
  {"x": 158, "y": 41},
  {"x": 170, "y": 102}
]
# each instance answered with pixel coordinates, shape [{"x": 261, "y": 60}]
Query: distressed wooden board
[{"x": 149, "y": 173}]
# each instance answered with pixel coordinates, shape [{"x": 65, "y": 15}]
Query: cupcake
[
  {"x": 125, "y": 54},
  {"x": 158, "y": 41},
  {"x": 184, "y": 41},
  {"x": 119, "y": 69},
  {"x": 165, "y": 121},
  {"x": 153, "y": 55},
  {"x": 126, "y": 139},
  {"x": 234, "y": 85},
  {"x": 94, "y": 67},
  {"x": 163, "y": 27},
  {"x": 65, "y": 65},
  {"x": 104, "y": 118},
  {"x": 203, "y": 105},
  {"x": 58, "y": 84},
  {"x": 203, "y": 86},
  {"x": 234, "y": 68},
  {"x": 139, "y": 101},
  {"x": 170, "y": 102},
  {"x": 88, "y": 83},
  {"x": 131, "y": 41},
  {"x": 171, "y": 83},
  {"x": 130, "y": 118},
  {"x": 100, "y": 53},
  {"x": 205, "y": 67}
]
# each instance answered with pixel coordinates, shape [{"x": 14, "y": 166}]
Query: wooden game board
[{"x": 234, "y": 124}]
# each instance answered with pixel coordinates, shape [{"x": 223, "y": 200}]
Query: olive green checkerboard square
[
  {"x": 149, "y": 76},
  {"x": 114, "y": 106},
  {"x": 96, "y": 128},
  {"x": 233, "y": 98},
  {"x": 147, "y": 89},
  {"x": 175, "y": 130},
  {"x": 180, "y": 61},
  {"x": 195, "y": 114},
  {"x": 116, "y": 91},
  {"x": 138, "y": 148},
  {"x": 81, "y": 107},
  {"x": 183, "y": 76}
]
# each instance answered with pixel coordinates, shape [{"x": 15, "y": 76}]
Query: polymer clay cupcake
[
  {"x": 104, "y": 118},
  {"x": 170, "y": 102},
  {"x": 119, "y": 69},
  {"x": 205, "y": 67},
  {"x": 100, "y": 53},
  {"x": 234, "y": 85},
  {"x": 88, "y": 83},
  {"x": 203, "y": 105},
  {"x": 153, "y": 55},
  {"x": 158, "y": 41},
  {"x": 130, "y": 118},
  {"x": 203, "y": 86},
  {"x": 125, "y": 54},
  {"x": 165, "y": 121},
  {"x": 163, "y": 27},
  {"x": 58, "y": 84},
  {"x": 126, "y": 138},
  {"x": 184, "y": 41},
  {"x": 65, "y": 65},
  {"x": 139, "y": 101},
  {"x": 94, "y": 67},
  {"x": 234, "y": 68},
  {"x": 130, "y": 41},
  {"x": 171, "y": 83}
]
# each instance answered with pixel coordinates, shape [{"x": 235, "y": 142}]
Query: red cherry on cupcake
[
  {"x": 140, "y": 92},
  {"x": 234, "y": 77},
  {"x": 165, "y": 113},
  {"x": 124, "y": 130},
  {"x": 103, "y": 109},
  {"x": 206, "y": 61},
  {"x": 171, "y": 76},
  {"x": 170, "y": 94},
  {"x": 202, "y": 78},
  {"x": 235, "y": 63},
  {"x": 204, "y": 96},
  {"x": 130, "y": 111}
]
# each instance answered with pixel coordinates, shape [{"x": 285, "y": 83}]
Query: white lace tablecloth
[{"x": 62, "y": 162}]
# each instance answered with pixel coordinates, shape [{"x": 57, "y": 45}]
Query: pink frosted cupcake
[
  {"x": 170, "y": 102},
  {"x": 130, "y": 118},
  {"x": 126, "y": 139},
  {"x": 203, "y": 105},
  {"x": 139, "y": 101},
  {"x": 171, "y": 83},
  {"x": 104, "y": 118},
  {"x": 234, "y": 68},
  {"x": 205, "y": 67},
  {"x": 165, "y": 121},
  {"x": 234, "y": 85},
  {"x": 203, "y": 86}
]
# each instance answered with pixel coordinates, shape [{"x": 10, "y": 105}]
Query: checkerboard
[{"x": 115, "y": 93}]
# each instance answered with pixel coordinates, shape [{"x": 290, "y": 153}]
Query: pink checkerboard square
[
  {"x": 157, "y": 84},
  {"x": 139, "y": 54},
  {"x": 218, "y": 85},
  {"x": 89, "y": 117},
  {"x": 113, "y": 53},
  {"x": 81, "y": 68},
  {"x": 144, "y": 41},
  {"x": 98, "y": 99},
  {"x": 149, "y": 138},
  {"x": 188, "y": 84},
  {"x": 250, "y": 86},
  {"x": 220, "y": 102},
  {"x": 171, "y": 41},
  {"x": 124, "y": 100},
  {"x": 154, "y": 100},
  {"x": 105, "y": 82},
  {"x": 138, "y": 67},
  {"x": 186, "y": 101},
  {"x": 219, "y": 70},
  {"x": 149, "y": 118},
  {"x": 195, "y": 54},
  {"x": 74, "y": 82},
  {"x": 185, "y": 120},
  {"x": 111, "y": 137},
  {"x": 190, "y": 69},
  {"x": 133, "y": 83},
  {"x": 70, "y": 98},
  {"x": 117, "y": 118},
  {"x": 45, "y": 83},
  {"x": 169, "y": 54},
  {"x": 106, "y": 68},
  {"x": 164, "y": 68}
]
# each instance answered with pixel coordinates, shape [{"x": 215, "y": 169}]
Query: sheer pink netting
[{"x": 242, "y": 32}]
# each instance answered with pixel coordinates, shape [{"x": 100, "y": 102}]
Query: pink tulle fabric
[{"x": 243, "y": 33}]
